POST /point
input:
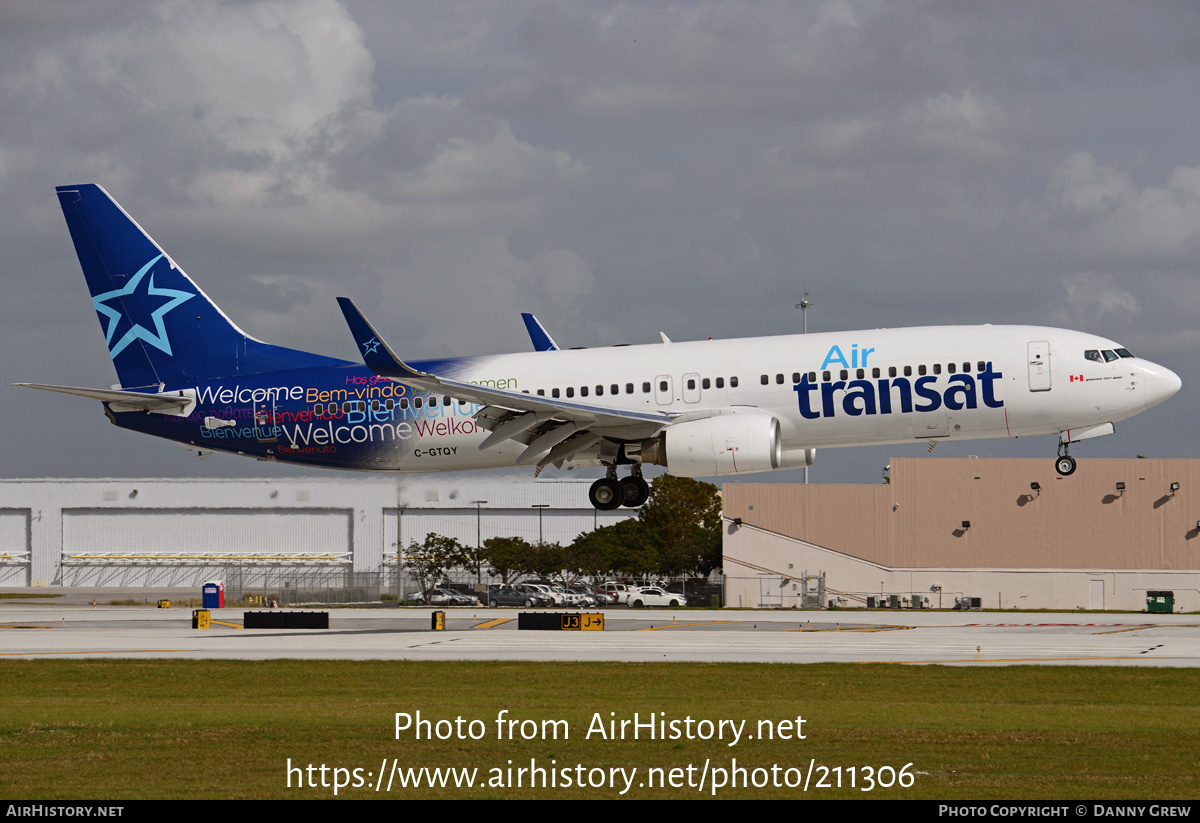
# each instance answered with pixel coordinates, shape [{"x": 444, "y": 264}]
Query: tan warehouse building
[{"x": 1010, "y": 532}]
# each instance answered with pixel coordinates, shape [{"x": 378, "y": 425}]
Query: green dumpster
[{"x": 1160, "y": 602}]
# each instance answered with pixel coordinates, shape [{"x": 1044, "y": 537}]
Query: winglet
[
  {"x": 375, "y": 351},
  {"x": 542, "y": 341}
]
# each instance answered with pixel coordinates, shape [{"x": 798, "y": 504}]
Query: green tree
[
  {"x": 685, "y": 516},
  {"x": 430, "y": 560},
  {"x": 507, "y": 557},
  {"x": 628, "y": 547}
]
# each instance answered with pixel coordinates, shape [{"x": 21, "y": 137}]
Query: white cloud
[
  {"x": 1155, "y": 225},
  {"x": 1098, "y": 293},
  {"x": 252, "y": 75}
]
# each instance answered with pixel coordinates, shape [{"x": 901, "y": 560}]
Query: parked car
[
  {"x": 448, "y": 597},
  {"x": 514, "y": 597},
  {"x": 653, "y": 596}
]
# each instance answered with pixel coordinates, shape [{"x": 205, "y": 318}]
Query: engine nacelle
[{"x": 737, "y": 443}]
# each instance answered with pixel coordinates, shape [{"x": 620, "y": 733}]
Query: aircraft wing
[
  {"x": 542, "y": 422},
  {"x": 173, "y": 403}
]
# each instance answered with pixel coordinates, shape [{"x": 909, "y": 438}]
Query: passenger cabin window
[
  {"x": 779, "y": 379},
  {"x": 720, "y": 382},
  {"x": 812, "y": 377},
  {"x": 390, "y": 404},
  {"x": 764, "y": 380},
  {"x": 891, "y": 371},
  {"x": 646, "y": 388},
  {"x": 404, "y": 403},
  {"x": 433, "y": 402},
  {"x": 416, "y": 402},
  {"x": 967, "y": 368},
  {"x": 921, "y": 369},
  {"x": 570, "y": 391},
  {"x": 937, "y": 368},
  {"x": 908, "y": 371},
  {"x": 950, "y": 367},
  {"x": 554, "y": 392},
  {"x": 704, "y": 384},
  {"x": 691, "y": 384},
  {"x": 875, "y": 372},
  {"x": 583, "y": 391},
  {"x": 981, "y": 365},
  {"x": 861, "y": 373},
  {"x": 844, "y": 375},
  {"x": 662, "y": 385},
  {"x": 826, "y": 376},
  {"x": 541, "y": 392},
  {"x": 628, "y": 388},
  {"x": 374, "y": 405},
  {"x": 733, "y": 382}
]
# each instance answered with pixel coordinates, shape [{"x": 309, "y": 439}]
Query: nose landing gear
[{"x": 1065, "y": 464}]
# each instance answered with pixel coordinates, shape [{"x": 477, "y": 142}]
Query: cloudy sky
[{"x": 617, "y": 168}]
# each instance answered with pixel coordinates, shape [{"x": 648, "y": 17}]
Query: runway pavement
[{"x": 32, "y": 630}]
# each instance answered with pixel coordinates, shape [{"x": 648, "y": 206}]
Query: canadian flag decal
[{"x": 1078, "y": 377}]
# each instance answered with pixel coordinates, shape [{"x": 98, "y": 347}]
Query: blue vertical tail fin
[{"x": 159, "y": 326}]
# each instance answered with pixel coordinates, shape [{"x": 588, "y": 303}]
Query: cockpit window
[
  {"x": 1109, "y": 356},
  {"x": 1125, "y": 352},
  {"x": 1093, "y": 354}
]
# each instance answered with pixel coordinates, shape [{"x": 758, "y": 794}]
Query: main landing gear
[
  {"x": 1065, "y": 464},
  {"x": 608, "y": 493}
]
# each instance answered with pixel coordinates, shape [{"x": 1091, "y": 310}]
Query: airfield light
[
  {"x": 1036, "y": 486},
  {"x": 1120, "y": 486},
  {"x": 966, "y": 524},
  {"x": 1174, "y": 487}
]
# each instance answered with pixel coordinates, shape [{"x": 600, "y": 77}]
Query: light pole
[
  {"x": 478, "y": 541},
  {"x": 803, "y": 307},
  {"x": 539, "y": 507}
]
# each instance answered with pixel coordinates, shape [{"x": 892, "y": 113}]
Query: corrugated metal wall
[
  {"x": 191, "y": 532},
  {"x": 14, "y": 541}
]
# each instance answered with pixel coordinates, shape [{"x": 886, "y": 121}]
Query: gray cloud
[{"x": 617, "y": 168}]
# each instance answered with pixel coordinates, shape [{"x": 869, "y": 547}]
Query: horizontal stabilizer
[{"x": 176, "y": 404}]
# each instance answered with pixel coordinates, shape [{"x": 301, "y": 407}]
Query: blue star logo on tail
[
  {"x": 157, "y": 338},
  {"x": 371, "y": 346}
]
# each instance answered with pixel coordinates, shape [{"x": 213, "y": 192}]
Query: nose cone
[{"x": 1160, "y": 383}]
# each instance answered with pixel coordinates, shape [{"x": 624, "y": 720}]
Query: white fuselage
[{"x": 825, "y": 390}]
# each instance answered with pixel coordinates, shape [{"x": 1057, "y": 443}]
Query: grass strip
[{"x": 122, "y": 729}]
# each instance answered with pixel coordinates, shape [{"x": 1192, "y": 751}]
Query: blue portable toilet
[{"x": 214, "y": 594}]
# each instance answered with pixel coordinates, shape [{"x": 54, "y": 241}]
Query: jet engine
[{"x": 724, "y": 444}]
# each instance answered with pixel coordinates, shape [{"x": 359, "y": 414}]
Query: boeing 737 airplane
[{"x": 714, "y": 407}]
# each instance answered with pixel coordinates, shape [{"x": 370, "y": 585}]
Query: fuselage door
[
  {"x": 664, "y": 395},
  {"x": 265, "y": 430},
  {"x": 691, "y": 388},
  {"x": 1039, "y": 365}
]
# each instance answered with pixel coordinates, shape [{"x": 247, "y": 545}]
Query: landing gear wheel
[
  {"x": 1065, "y": 465},
  {"x": 606, "y": 494},
  {"x": 635, "y": 491}
]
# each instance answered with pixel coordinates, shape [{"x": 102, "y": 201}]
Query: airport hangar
[
  {"x": 1012, "y": 533},
  {"x": 940, "y": 530},
  {"x": 167, "y": 533}
]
